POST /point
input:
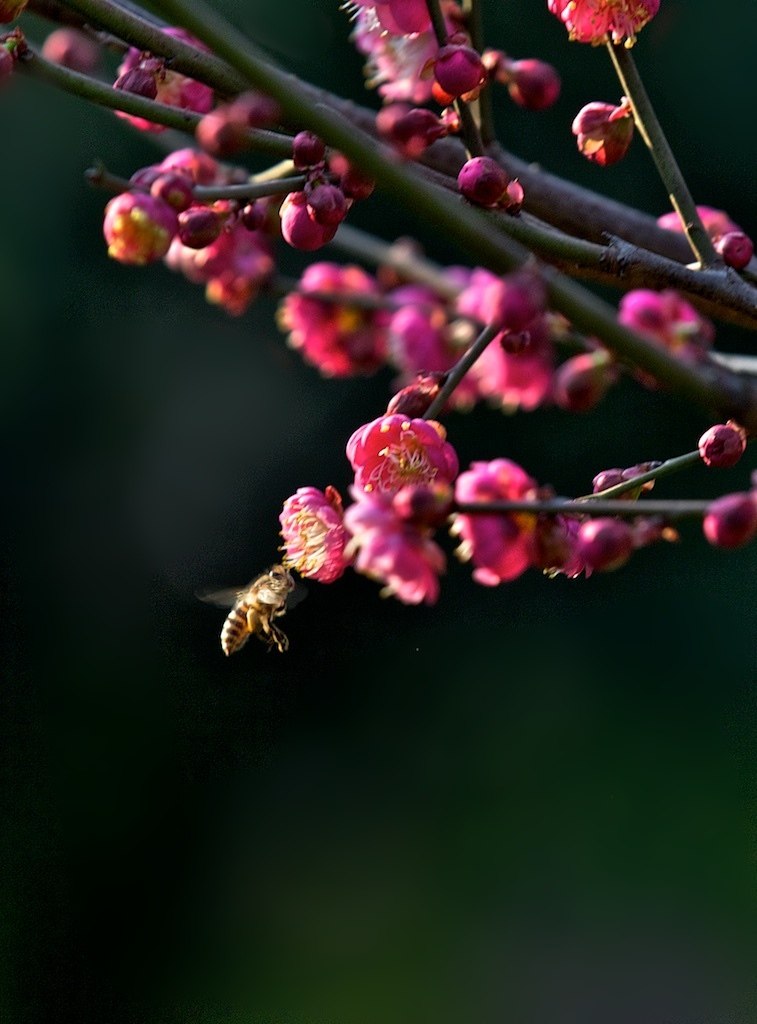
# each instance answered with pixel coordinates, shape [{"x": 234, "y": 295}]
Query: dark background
[{"x": 531, "y": 803}]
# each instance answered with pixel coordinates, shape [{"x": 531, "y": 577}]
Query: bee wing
[
  {"x": 220, "y": 598},
  {"x": 299, "y": 593}
]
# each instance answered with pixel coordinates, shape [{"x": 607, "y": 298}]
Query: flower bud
[
  {"x": 731, "y": 520},
  {"x": 409, "y": 130},
  {"x": 140, "y": 81},
  {"x": 532, "y": 84},
  {"x": 606, "y": 479},
  {"x": 722, "y": 445},
  {"x": 603, "y": 132},
  {"x": 415, "y": 399},
  {"x": 221, "y": 133},
  {"x": 327, "y": 205},
  {"x": 482, "y": 181},
  {"x": 253, "y": 216},
  {"x": 582, "y": 381},
  {"x": 254, "y": 110},
  {"x": 72, "y": 49},
  {"x": 736, "y": 248},
  {"x": 200, "y": 227},
  {"x": 605, "y": 544},
  {"x": 458, "y": 69},
  {"x": 298, "y": 228},
  {"x": 307, "y": 150},
  {"x": 174, "y": 189},
  {"x": 352, "y": 181},
  {"x": 512, "y": 201}
]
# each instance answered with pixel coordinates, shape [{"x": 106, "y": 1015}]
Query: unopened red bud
[
  {"x": 736, "y": 248},
  {"x": 253, "y": 216},
  {"x": 307, "y": 150},
  {"x": 731, "y": 520},
  {"x": 605, "y": 544},
  {"x": 606, "y": 479},
  {"x": 428, "y": 505},
  {"x": 298, "y": 228},
  {"x": 327, "y": 205},
  {"x": 409, "y": 130},
  {"x": 512, "y": 201},
  {"x": 222, "y": 134},
  {"x": 72, "y": 49},
  {"x": 483, "y": 181},
  {"x": 414, "y": 400},
  {"x": 175, "y": 189},
  {"x": 352, "y": 181},
  {"x": 255, "y": 110},
  {"x": 458, "y": 69},
  {"x": 199, "y": 227},
  {"x": 582, "y": 381},
  {"x": 533, "y": 84},
  {"x": 139, "y": 81},
  {"x": 722, "y": 445},
  {"x": 603, "y": 132}
]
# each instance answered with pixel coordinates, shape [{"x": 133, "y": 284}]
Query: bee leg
[{"x": 279, "y": 638}]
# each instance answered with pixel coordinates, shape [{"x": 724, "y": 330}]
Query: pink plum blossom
[
  {"x": 668, "y": 319},
  {"x": 500, "y": 544},
  {"x": 340, "y": 338},
  {"x": 591, "y": 21},
  {"x": 393, "y": 551},
  {"x": 314, "y": 535},
  {"x": 392, "y": 451}
]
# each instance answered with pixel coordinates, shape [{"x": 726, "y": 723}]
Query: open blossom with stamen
[
  {"x": 393, "y": 451},
  {"x": 172, "y": 88},
  {"x": 338, "y": 337},
  {"x": 591, "y": 21},
  {"x": 314, "y": 534},
  {"x": 387, "y": 548},
  {"x": 395, "y": 56},
  {"x": 500, "y": 544},
  {"x": 138, "y": 228}
]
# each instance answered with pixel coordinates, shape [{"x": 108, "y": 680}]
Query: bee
[{"x": 254, "y": 608}]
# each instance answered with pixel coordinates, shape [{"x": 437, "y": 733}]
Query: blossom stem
[
  {"x": 459, "y": 370},
  {"x": 470, "y": 130},
  {"x": 105, "y": 95},
  {"x": 664, "y": 469},
  {"x": 657, "y": 144},
  {"x": 561, "y": 506},
  {"x": 483, "y": 105},
  {"x": 401, "y": 256},
  {"x": 100, "y": 177}
]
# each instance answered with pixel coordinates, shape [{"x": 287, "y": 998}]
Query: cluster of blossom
[
  {"x": 407, "y": 483},
  {"x": 407, "y": 486},
  {"x": 341, "y": 321}
]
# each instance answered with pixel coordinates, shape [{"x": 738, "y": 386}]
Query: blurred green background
[{"x": 531, "y": 804}]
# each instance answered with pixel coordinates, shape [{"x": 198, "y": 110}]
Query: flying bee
[{"x": 254, "y": 608}]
